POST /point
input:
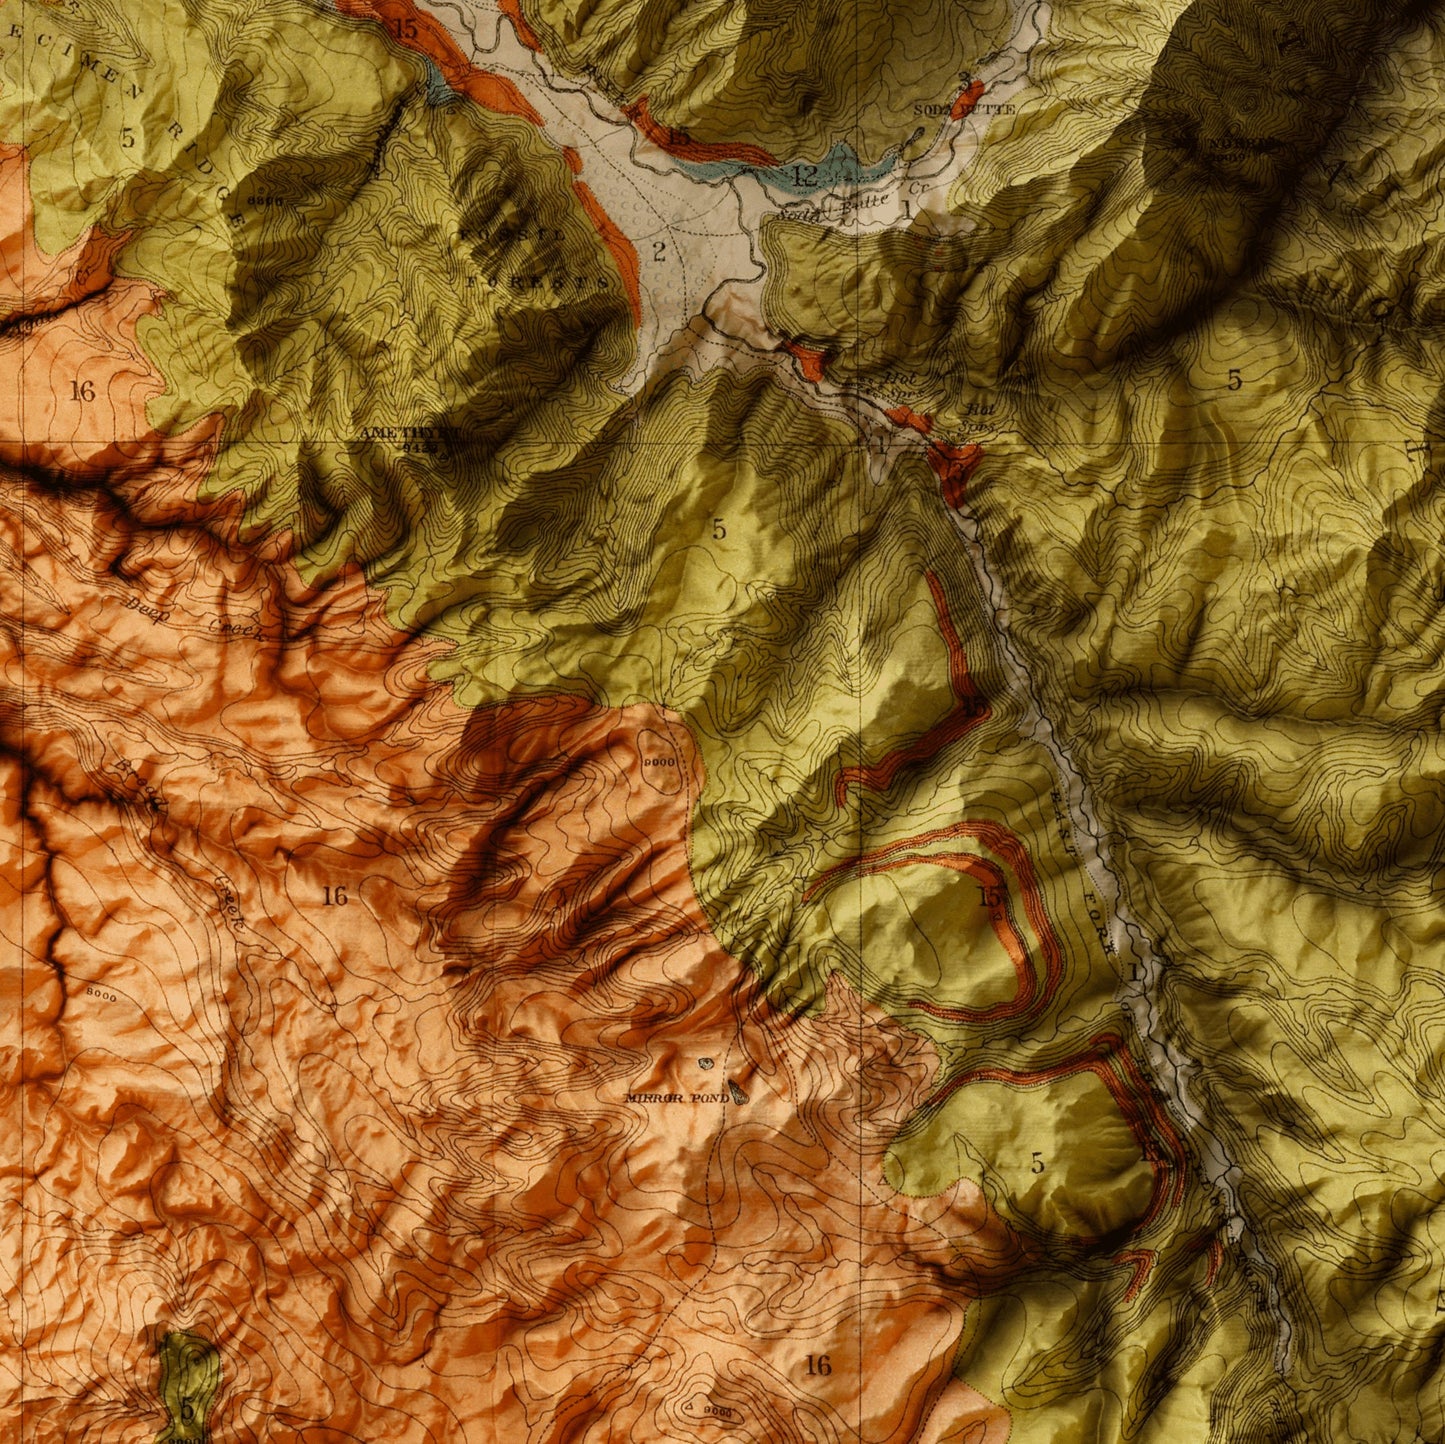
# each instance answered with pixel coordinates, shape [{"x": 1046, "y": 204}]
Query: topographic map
[{"x": 722, "y": 721}]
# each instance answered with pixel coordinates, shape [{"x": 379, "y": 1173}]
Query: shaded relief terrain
[
  {"x": 720, "y": 721},
  {"x": 384, "y": 1045}
]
